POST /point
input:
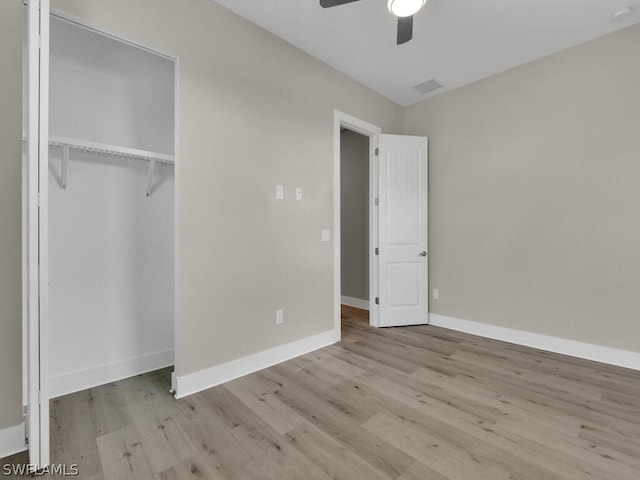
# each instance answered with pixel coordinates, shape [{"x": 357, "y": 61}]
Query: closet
[{"x": 111, "y": 208}]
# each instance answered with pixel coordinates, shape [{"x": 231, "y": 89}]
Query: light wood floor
[{"x": 410, "y": 403}]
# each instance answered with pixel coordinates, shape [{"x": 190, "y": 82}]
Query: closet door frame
[
  {"x": 36, "y": 232},
  {"x": 36, "y": 221}
]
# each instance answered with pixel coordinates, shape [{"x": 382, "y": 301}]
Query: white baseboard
[
  {"x": 92, "y": 377},
  {"x": 588, "y": 351},
  {"x": 355, "y": 302},
  {"x": 211, "y": 377},
  {"x": 12, "y": 440}
]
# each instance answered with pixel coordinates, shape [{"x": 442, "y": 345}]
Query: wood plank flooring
[{"x": 408, "y": 403}]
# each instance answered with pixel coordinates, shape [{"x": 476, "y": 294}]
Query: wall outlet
[
  {"x": 279, "y": 317},
  {"x": 436, "y": 294},
  {"x": 298, "y": 193},
  {"x": 326, "y": 235},
  {"x": 279, "y": 192}
]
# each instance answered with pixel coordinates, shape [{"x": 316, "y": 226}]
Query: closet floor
[{"x": 403, "y": 403}]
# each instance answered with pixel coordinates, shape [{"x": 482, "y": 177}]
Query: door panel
[
  {"x": 403, "y": 280},
  {"x": 403, "y": 237},
  {"x": 403, "y": 198}
]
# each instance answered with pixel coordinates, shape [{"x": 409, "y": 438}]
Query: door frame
[
  {"x": 35, "y": 231},
  {"x": 344, "y": 120}
]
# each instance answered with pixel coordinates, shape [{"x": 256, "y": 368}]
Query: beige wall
[
  {"x": 254, "y": 112},
  {"x": 10, "y": 214},
  {"x": 534, "y": 170},
  {"x": 534, "y": 195},
  {"x": 354, "y": 214}
]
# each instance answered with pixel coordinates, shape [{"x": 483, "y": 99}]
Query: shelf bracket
[
  {"x": 65, "y": 167},
  {"x": 152, "y": 166}
]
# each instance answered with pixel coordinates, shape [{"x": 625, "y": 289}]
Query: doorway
[
  {"x": 398, "y": 225},
  {"x": 99, "y": 211},
  {"x": 110, "y": 208},
  {"x": 354, "y": 221},
  {"x": 359, "y": 240}
]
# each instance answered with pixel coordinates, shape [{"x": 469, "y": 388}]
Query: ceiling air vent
[{"x": 428, "y": 86}]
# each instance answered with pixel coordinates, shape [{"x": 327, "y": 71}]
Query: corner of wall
[{"x": 189, "y": 384}]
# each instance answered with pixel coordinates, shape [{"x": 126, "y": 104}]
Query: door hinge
[
  {"x": 377, "y": 151},
  {"x": 377, "y": 251},
  {"x": 38, "y": 199},
  {"x": 377, "y": 201},
  {"x": 39, "y": 397},
  {"x": 377, "y": 301}
]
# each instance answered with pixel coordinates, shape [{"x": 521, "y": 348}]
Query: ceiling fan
[{"x": 403, "y": 9}]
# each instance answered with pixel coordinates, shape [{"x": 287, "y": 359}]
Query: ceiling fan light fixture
[{"x": 405, "y": 8}]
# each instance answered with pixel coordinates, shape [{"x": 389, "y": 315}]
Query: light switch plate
[
  {"x": 279, "y": 192},
  {"x": 326, "y": 235},
  {"x": 298, "y": 193},
  {"x": 279, "y": 317}
]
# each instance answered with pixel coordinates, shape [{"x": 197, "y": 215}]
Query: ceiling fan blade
[
  {"x": 405, "y": 29},
  {"x": 334, "y": 3}
]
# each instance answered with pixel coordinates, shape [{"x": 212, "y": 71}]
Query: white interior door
[
  {"x": 402, "y": 234},
  {"x": 36, "y": 220}
]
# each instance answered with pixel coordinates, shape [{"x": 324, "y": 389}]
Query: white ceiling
[{"x": 454, "y": 41}]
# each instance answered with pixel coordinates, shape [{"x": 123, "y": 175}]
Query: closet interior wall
[{"x": 111, "y": 246}]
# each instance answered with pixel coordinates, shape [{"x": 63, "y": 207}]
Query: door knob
[{"x": 423, "y": 254}]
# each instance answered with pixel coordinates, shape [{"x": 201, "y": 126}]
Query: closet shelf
[{"x": 106, "y": 149}]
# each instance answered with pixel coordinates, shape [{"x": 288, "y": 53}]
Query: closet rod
[
  {"x": 69, "y": 144},
  {"x": 106, "y": 149}
]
